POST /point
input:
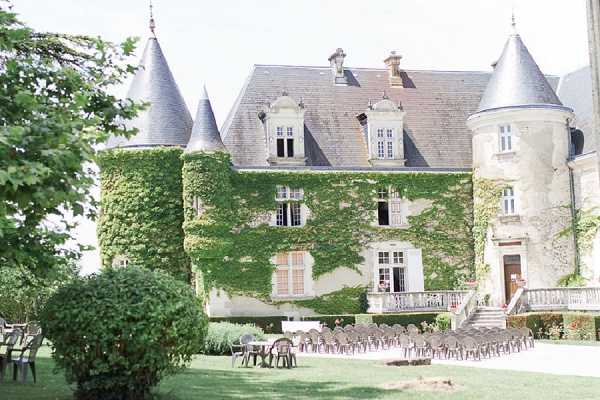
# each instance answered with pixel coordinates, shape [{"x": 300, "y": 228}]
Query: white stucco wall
[{"x": 537, "y": 170}]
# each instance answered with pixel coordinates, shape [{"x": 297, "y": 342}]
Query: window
[
  {"x": 198, "y": 206},
  {"x": 120, "y": 261},
  {"x": 289, "y": 209},
  {"x": 389, "y": 207},
  {"x": 505, "y": 138},
  {"x": 285, "y": 147},
  {"x": 385, "y": 143},
  {"x": 289, "y": 274},
  {"x": 391, "y": 271},
  {"x": 508, "y": 201}
]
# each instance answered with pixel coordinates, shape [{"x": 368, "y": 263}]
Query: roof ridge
[{"x": 370, "y": 69}]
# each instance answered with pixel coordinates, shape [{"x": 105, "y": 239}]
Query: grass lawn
[{"x": 213, "y": 378}]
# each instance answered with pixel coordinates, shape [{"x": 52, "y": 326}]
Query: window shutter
[
  {"x": 396, "y": 211},
  {"x": 414, "y": 270}
]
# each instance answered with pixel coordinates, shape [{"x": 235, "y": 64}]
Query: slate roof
[
  {"x": 205, "y": 134},
  {"x": 167, "y": 121},
  {"x": 575, "y": 91},
  {"x": 517, "y": 80},
  {"x": 437, "y": 104}
]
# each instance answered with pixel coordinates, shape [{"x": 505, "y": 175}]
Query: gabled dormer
[
  {"x": 383, "y": 123},
  {"x": 283, "y": 121}
]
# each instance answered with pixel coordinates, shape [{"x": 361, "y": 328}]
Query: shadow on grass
[{"x": 242, "y": 384}]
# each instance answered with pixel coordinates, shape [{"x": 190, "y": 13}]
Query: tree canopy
[{"x": 56, "y": 107}]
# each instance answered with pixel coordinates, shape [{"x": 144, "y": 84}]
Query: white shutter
[
  {"x": 414, "y": 270},
  {"x": 396, "y": 212}
]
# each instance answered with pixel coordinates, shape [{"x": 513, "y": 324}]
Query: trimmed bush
[
  {"x": 118, "y": 333},
  {"x": 363, "y": 319},
  {"x": 516, "y": 321},
  {"x": 443, "y": 321},
  {"x": 597, "y": 326},
  {"x": 329, "y": 320},
  {"x": 221, "y": 335},
  {"x": 267, "y": 324},
  {"x": 543, "y": 325},
  {"x": 579, "y": 326}
]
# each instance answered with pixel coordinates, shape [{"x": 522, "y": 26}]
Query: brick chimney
[{"x": 393, "y": 65}]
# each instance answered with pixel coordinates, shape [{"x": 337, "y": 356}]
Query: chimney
[
  {"x": 393, "y": 64},
  {"x": 337, "y": 65}
]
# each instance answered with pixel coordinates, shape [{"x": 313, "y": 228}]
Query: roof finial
[
  {"x": 152, "y": 23},
  {"x": 513, "y": 21}
]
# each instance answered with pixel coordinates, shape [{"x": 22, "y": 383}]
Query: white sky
[{"x": 217, "y": 42}]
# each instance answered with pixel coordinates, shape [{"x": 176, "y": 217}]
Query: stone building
[{"x": 328, "y": 181}]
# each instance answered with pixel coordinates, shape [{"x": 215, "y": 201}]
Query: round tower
[
  {"x": 206, "y": 191},
  {"x": 522, "y": 194},
  {"x": 141, "y": 204}
]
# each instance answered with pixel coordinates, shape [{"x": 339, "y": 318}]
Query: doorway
[{"x": 512, "y": 275}]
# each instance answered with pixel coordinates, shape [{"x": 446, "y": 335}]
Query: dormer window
[
  {"x": 384, "y": 123},
  {"x": 284, "y": 126}
]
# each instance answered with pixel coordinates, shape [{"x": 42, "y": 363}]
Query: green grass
[
  {"x": 570, "y": 342},
  {"x": 213, "y": 378}
]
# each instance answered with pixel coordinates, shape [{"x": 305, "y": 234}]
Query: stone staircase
[{"x": 488, "y": 317}]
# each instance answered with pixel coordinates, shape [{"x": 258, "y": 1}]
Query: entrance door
[
  {"x": 512, "y": 275},
  {"x": 399, "y": 281}
]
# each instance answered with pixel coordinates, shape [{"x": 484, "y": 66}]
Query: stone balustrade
[{"x": 442, "y": 300}]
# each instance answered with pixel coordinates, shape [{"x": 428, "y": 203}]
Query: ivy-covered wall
[
  {"x": 141, "y": 209},
  {"x": 231, "y": 243}
]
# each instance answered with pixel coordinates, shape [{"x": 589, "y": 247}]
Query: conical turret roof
[
  {"x": 205, "y": 134},
  {"x": 517, "y": 80},
  {"x": 166, "y": 121}
]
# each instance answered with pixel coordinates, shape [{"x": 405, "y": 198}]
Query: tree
[{"x": 56, "y": 106}]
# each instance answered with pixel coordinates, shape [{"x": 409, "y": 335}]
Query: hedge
[
  {"x": 329, "y": 320},
  {"x": 221, "y": 335},
  {"x": 577, "y": 326},
  {"x": 270, "y": 324},
  {"x": 404, "y": 319}
]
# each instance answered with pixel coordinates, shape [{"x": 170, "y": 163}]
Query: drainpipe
[{"x": 572, "y": 193}]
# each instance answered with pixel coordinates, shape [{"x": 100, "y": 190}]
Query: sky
[{"x": 216, "y": 42}]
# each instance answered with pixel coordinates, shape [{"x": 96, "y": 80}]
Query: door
[
  {"x": 512, "y": 275},
  {"x": 399, "y": 281}
]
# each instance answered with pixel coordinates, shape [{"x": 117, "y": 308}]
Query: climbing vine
[
  {"x": 344, "y": 301},
  {"x": 486, "y": 203},
  {"x": 232, "y": 242},
  {"x": 141, "y": 209},
  {"x": 587, "y": 224}
]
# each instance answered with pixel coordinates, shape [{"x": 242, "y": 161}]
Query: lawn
[{"x": 213, "y": 378}]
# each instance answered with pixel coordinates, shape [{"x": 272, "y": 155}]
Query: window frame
[
  {"x": 290, "y": 270},
  {"x": 386, "y": 148},
  {"x": 509, "y": 201},
  {"x": 289, "y": 211},
  {"x": 390, "y": 200},
  {"x": 386, "y": 261},
  {"x": 505, "y": 138}
]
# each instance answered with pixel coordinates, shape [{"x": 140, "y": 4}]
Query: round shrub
[
  {"x": 221, "y": 335},
  {"x": 118, "y": 333}
]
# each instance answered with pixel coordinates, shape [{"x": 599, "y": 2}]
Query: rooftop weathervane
[{"x": 152, "y": 23}]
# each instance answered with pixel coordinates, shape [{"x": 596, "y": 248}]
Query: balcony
[
  {"x": 443, "y": 300},
  {"x": 555, "y": 299}
]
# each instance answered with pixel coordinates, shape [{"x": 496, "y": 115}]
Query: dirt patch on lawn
[{"x": 424, "y": 385}]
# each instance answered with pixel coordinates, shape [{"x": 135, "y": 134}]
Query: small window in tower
[
  {"x": 508, "y": 201},
  {"x": 505, "y": 138}
]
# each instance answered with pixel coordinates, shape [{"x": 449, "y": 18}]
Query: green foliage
[
  {"x": 579, "y": 326},
  {"x": 587, "y": 224},
  {"x": 23, "y": 294},
  {"x": 57, "y": 106},
  {"x": 344, "y": 301},
  {"x": 232, "y": 242},
  {"x": 221, "y": 335},
  {"x": 118, "y": 333},
  {"x": 443, "y": 322},
  {"x": 142, "y": 210},
  {"x": 571, "y": 280},
  {"x": 266, "y": 324},
  {"x": 543, "y": 325},
  {"x": 363, "y": 319},
  {"x": 486, "y": 204},
  {"x": 329, "y": 320}
]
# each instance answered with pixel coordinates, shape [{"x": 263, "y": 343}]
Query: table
[{"x": 263, "y": 351}]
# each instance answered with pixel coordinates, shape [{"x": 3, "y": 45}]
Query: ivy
[
  {"x": 587, "y": 224},
  {"x": 142, "y": 210},
  {"x": 232, "y": 244},
  {"x": 486, "y": 203},
  {"x": 344, "y": 301}
]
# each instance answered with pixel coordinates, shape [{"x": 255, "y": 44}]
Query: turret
[{"x": 520, "y": 149}]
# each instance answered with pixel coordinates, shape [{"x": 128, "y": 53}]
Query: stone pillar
[{"x": 593, "y": 11}]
